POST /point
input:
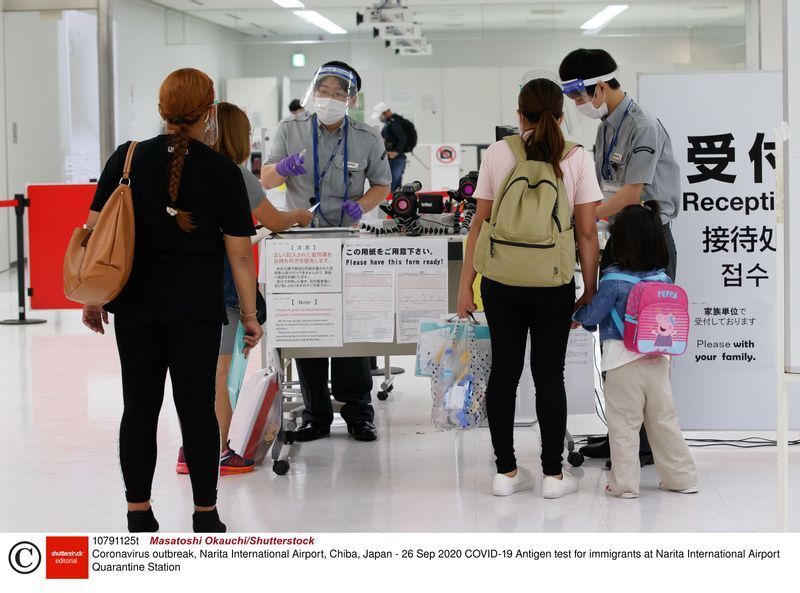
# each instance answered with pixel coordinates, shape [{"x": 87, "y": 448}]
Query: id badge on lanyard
[{"x": 319, "y": 177}]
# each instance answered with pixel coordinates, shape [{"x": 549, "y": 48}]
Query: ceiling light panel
[
  {"x": 289, "y": 3},
  {"x": 602, "y": 18},
  {"x": 324, "y": 23}
]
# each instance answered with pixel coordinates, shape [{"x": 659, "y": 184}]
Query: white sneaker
[
  {"x": 610, "y": 492},
  {"x": 505, "y": 486},
  {"x": 690, "y": 490},
  {"x": 552, "y": 487}
]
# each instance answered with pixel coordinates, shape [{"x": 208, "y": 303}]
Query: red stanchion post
[{"x": 19, "y": 211}]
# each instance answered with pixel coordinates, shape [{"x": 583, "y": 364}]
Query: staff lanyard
[
  {"x": 318, "y": 178},
  {"x": 606, "y": 171}
]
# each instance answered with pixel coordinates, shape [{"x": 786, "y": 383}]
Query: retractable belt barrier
[{"x": 19, "y": 203}]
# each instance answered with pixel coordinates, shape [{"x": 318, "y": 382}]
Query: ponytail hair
[
  {"x": 184, "y": 97},
  {"x": 638, "y": 242},
  {"x": 541, "y": 102}
]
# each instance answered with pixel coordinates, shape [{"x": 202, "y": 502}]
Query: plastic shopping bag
[
  {"x": 459, "y": 375},
  {"x": 238, "y": 366},
  {"x": 434, "y": 336},
  {"x": 257, "y": 418}
]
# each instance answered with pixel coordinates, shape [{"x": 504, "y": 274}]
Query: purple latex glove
[
  {"x": 352, "y": 210},
  {"x": 291, "y": 165}
]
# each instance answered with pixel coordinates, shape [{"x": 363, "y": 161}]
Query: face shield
[
  {"x": 331, "y": 93},
  {"x": 575, "y": 89},
  {"x": 211, "y": 131}
]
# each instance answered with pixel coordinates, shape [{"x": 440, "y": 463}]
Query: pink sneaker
[
  {"x": 231, "y": 463},
  {"x": 181, "y": 466}
]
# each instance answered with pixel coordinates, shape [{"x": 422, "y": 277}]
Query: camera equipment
[
  {"x": 425, "y": 50},
  {"x": 467, "y": 204},
  {"x": 397, "y": 31},
  {"x": 408, "y": 202},
  {"x": 404, "y": 42},
  {"x": 407, "y": 206},
  {"x": 381, "y": 15},
  {"x": 501, "y": 132},
  {"x": 404, "y": 201},
  {"x": 467, "y": 185}
]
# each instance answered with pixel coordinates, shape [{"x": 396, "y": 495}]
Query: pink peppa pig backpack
[{"x": 656, "y": 316}]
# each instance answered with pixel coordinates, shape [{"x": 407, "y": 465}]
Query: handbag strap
[{"x": 126, "y": 169}]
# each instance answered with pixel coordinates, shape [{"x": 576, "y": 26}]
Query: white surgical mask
[
  {"x": 591, "y": 111},
  {"x": 330, "y": 111}
]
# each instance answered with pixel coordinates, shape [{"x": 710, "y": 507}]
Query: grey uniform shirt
[
  {"x": 366, "y": 160},
  {"x": 643, "y": 154}
]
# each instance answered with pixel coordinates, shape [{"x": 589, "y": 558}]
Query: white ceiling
[{"x": 263, "y": 18}]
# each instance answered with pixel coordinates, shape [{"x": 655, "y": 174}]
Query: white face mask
[
  {"x": 591, "y": 111},
  {"x": 330, "y": 111}
]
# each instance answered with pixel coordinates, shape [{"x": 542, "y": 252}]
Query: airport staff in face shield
[
  {"x": 633, "y": 152},
  {"x": 325, "y": 159},
  {"x": 633, "y": 161}
]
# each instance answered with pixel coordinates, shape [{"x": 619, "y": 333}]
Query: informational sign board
[
  {"x": 304, "y": 320},
  {"x": 303, "y": 284},
  {"x": 303, "y": 265},
  {"x": 726, "y": 241},
  {"x": 390, "y": 284},
  {"x": 445, "y": 166}
]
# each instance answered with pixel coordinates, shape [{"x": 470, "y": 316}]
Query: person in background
[
  {"x": 234, "y": 142},
  {"x": 633, "y": 161},
  {"x": 514, "y": 312},
  {"x": 295, "y": 107},
  {"x": 637, "y": 386},
  {"x": 328, "y": 157},
  {"x": 395, "y": 140},
  {"x": 191, "y": 210}
]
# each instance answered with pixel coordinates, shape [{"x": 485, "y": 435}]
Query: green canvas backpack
[{"x": 529, "y": 239}]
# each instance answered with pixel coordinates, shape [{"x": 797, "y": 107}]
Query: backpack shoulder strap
[
  {"x": 617, "y": 321},
  {"x": 568, "y": 148},
  {"x": 661, "y": 277},
  {"x": 623, "y": 277},
  {"x": 517, "y": 145}
]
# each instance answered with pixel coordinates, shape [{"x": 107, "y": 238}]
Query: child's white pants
[{"x": 640, "y": 392}]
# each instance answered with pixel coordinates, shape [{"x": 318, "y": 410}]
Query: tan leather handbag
[{"x": 98, "y": 261}]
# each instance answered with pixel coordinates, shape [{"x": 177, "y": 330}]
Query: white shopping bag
[{"x": 256, "y": 419}]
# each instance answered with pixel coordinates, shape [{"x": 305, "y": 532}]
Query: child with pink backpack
[{"x": 643, "y": 319}]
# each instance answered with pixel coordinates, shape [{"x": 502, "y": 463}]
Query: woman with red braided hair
[{"x": 191, "y": 208}]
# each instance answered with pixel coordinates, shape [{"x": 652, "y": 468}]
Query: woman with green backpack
[{"x": 536, "y": 199}]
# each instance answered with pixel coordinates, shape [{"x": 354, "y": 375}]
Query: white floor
[{"x": 61, "y": 401}]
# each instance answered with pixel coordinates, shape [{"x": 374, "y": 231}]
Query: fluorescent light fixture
[
  {"x": 289, "y": 3},
  {"x": 298, "y": 60},
  {"x": 602, "y": 18},
  {"x": 315, "y": 18}
]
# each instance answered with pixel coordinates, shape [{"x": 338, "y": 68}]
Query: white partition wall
[
  {"x": 725, "y": 236},
  {"x": 791, "y": 103},
  {"x": 5, "y": 219},
  {"x": 260, "y": 97}
]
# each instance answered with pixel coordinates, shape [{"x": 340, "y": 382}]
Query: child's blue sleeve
[{"x": 600, "y": 306}]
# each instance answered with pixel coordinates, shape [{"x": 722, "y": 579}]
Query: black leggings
[
  {"x": 546, "y": 313},
  {"x": 150, "y": 344}
]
